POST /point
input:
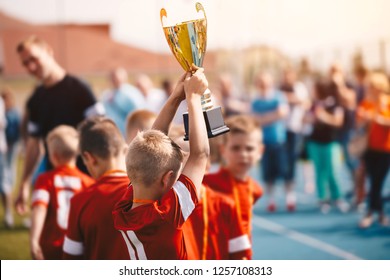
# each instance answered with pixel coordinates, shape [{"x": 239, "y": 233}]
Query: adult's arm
[{"x": 33, "y": 152}]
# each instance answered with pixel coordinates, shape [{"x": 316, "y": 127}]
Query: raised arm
[
  {"x": 167, "y": 113},
  {"x": 195, "y": 167}
]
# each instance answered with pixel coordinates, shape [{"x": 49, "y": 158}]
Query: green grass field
[{"x": 14, "y": 244}]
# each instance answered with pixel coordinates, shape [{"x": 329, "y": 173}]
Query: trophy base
[{"x": 214, "y": 123}]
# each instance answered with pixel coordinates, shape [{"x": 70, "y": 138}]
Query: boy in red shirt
[
  {"x": 52, "y": 193},
  {"x": 162, "y": 193},
  {"x": 213, "y": 230},
  {"x": 241, "y": 150},
  {"x": 91, "y": 233}
]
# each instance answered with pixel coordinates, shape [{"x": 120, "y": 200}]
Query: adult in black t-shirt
[{"x": 61, "y": 99}]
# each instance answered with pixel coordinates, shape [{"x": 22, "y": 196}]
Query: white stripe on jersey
[
  {"x": 67, "y": 182},
  {"x": 137, "y": 244},
  {"x": 129, "y": 247},
  {"x": 186, "y": 203},
  {"x": 72, "y": 247},
  {"x": 240, "y": 243},
  {"x": 40, "y": 195}
]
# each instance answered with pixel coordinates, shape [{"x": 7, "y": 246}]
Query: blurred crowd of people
[{"x": 330, "y": 122}]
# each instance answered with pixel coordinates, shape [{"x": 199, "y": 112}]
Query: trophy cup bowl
[{"x": 187, "y": 41}]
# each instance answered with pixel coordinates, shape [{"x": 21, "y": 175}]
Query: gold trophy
[{"x": 187, "y": 41}]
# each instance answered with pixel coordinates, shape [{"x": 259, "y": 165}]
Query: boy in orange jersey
[
  {"x": 241, "y": 150},
  {"x": 91, "y": 233},
  {"x": 213, "y": 230},
  {"x": 138, "y": 120},
  {"x": 52, "y": 193},
  {"x": 162, "y": 193}
]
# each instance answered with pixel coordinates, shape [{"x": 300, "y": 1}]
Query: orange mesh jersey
[
  {"x": 54, "y": 189},
  {"x": 243, "y": 193},
  {"x": 154, "y": 231},
  {"x": 213, "y": 231},
  {"x": 379, "y": 135},
  {"x": 91, "y": 233}
]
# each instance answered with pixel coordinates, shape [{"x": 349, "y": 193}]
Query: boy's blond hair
[
  {"x": 63, "y": 141},
  {"x": 151, "y": 154},
  {"x": 139, "y": 120},
  {"x": 242, "y": 124},
  {"x": 379, "y": 81}
]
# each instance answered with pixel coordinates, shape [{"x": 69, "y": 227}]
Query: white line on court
[{"x": 302, "y": 238}]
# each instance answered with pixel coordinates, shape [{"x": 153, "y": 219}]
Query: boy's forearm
[
  {"x": 37, "y": 221},
  {"x": 166, "y": 115},
  {"x": 199, "y": 144},
  {"x": 33, "y": 153}
]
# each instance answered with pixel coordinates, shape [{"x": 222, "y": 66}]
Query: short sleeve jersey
[
  {"x": 67, "y": 102},
  {"x": 54, "y": 189},
  {"x": 213, "y": 231},
  {"x": 379, "y": 135},
  {"x": 154, "y": 231},
  {"x": 243, "y": 193},
  {"x": 91, "y": 233}
]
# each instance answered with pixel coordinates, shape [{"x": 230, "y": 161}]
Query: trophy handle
[
  {"x": 199, "y": 7},
  {"x": 163, "y": 13}
]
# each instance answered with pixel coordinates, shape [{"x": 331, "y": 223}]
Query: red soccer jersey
[
  {"x": 54, "y": 189},
  {"x": 91, "y": 233},
  {"x": 213, "y": 230},
  {"x": 153, "y": 231},
  {"x": 244, "y": 193}
]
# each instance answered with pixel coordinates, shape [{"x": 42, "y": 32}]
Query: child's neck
[
  {"x": 144, "y": 195},
  {"x": 70, "y": 164},
  {"x": 242, "y": 176},
  {"x": 109, "y": 165}
]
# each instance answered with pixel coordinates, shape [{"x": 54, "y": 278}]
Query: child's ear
[
  {"x": 89, "y": 158},
  {"x": 167, "y": 179}
]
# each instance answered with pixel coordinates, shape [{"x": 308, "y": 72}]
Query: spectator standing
[
  {"x": 59, "y": 99},
  {"x": 121, "y": 99}
]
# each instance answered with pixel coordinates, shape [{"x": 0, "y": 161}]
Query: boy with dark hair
[{"x": 91, "y": 233}]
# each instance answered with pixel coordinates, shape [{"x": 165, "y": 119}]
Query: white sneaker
[
  {"x": 9, "y": 220},
  {"x": 366, "y": 222},
  {"x": 342, "y": 206},
  {"x": 26, "y": 222}
]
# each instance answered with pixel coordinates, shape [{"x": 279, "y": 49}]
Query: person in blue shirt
[
  {"x": 270, "y": 108},
  {"x": 121, "y": 99}
]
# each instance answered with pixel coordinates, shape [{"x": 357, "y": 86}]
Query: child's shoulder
[{"x": 219, "y": 180}]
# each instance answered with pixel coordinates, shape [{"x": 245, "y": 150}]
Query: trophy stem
[{"x": 206, "y": 100}]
